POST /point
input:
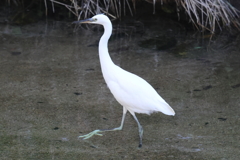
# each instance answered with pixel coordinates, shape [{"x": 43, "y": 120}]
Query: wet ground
[{"x": 52, "y": 91}]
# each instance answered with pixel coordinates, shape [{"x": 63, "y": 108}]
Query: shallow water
[{"x": 52, "y": 91}]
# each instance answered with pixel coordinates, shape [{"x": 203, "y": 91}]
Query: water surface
[{"x": 52, "y": 91}]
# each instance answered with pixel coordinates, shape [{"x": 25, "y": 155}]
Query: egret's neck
[{"x": 105, "y": 58}]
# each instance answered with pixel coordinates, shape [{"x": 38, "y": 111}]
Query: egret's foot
[
  {"x": 140, "y": 145},
  {"x": 89, "y": 135}
]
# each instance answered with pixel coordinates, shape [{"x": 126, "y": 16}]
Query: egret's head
[{"x": 97, "y": 19}]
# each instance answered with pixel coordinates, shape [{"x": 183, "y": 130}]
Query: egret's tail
[{"x": 166, "y": 109}]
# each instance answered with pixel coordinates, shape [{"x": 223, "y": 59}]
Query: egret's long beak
[{"x": 89, "y": 20}]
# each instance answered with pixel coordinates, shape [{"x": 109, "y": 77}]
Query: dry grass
[
  {"x": 204, "y": 14},
  {"x": 88, "y": 8}
]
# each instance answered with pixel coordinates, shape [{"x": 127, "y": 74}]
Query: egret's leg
[
  {"x": 98, "y": 131},
  {"x": 140, "y": 129}
]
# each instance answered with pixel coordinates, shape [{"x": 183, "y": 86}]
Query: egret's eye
[{"x": 95, "y": 19}]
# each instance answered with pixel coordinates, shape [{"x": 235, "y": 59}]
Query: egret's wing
[{"x": 136, "y": 94}]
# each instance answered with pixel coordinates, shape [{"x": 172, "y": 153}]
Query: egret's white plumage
[{"x": 131, "y": 91}]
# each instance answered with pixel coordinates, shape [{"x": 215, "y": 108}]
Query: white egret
[{"x": 131, "y": 91}]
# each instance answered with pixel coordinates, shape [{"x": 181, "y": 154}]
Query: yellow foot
[{"x": 89, "y": 135}]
